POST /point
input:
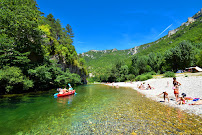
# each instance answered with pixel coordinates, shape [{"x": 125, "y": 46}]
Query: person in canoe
[
  {"x": 65, "y": 90},
  {"x": 70, "y": 87},
  {"x": 60, "y": 90}
]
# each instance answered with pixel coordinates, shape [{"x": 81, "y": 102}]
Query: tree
[
  {"x": 179, "y": 57},
  {"x": 9, "y": 56},
  {"x": 199, "y": 59},
  {"x": 12, "y": 80},
  {"x": 19, "y": 21}
]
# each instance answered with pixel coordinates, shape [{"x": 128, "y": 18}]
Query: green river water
[{"x": 96, "y": 109}]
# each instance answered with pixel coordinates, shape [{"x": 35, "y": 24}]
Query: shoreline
[{"x": 192, "y": 86}]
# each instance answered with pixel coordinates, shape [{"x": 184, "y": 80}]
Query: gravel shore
[{"x": 191, "y": 85}]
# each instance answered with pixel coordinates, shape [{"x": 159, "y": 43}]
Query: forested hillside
[
  {"x": 36, "y": 52},
  {"x": 99, "y": 61},
  {"x": 175, "y": 51}
]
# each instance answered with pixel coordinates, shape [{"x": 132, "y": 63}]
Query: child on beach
[
  {"x": 149, "y": 87},
  {"x": 165, "y": 95},
  {"x": 141, "y": 87},
  {"x": 181, "y": 101}
]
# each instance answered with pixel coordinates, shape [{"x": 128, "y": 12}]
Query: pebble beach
[{"x": 191, "y": 85}]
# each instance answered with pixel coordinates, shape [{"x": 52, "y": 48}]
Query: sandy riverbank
[{"x": 191, "y": 85}]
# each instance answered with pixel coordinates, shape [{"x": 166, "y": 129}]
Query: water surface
[{"x": 96, "y": 109}]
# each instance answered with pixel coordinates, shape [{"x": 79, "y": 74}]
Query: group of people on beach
[
  {"x": 142, "y": 87},
  {"x": 65, "y": 90},
  {"x": 180, "y": 100}
]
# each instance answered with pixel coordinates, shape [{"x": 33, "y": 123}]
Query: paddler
[{"x": 70, "y": 87}]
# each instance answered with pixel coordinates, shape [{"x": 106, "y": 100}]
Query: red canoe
[{"x": 66, "y": 94}]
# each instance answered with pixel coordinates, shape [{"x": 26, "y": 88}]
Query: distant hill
[{"x": 99, "y": 61}]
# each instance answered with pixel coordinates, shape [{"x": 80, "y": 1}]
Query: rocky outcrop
[
  {"x": 189, "y": 21},
  {"x": 114, "y": 50},
  {"x": 133, "y": 51},
  {"x": 171, "y": 32}
]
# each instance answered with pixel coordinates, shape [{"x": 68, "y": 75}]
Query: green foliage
[
  {"x": 63, "y": 79},
  {"x": 99, "y": 62},
  {"x": 41, "y": 76},
  {"x": 180, "y": 57},
  {"x": 169, "y": 74},
  {"x": 12, "y": 80},
  {"x": 90, "y": 80},
  {"x": 143, "y": 77},
  {"x": 29, "y": 43},
  {"x": 130, "y": 77},
  {"x": 152, "y": 73},
  {"x": 8, "y": 55},
  {"x": 19, "y": 21},
  {"x": 199, "y": 59}
]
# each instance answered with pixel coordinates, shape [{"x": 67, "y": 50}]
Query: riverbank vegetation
[
  {"x": 169, "y": 53},
  {"x": 36, "y": 52},
  {"x": 142, "y": 67}
]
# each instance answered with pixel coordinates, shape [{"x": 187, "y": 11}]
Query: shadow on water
[{"x": 96, "y": 109}]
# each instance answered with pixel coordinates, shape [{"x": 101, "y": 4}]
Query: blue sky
[{"x": 121, "y": 24}]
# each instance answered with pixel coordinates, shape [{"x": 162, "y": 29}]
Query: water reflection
[{"x": 65, "y": 100}]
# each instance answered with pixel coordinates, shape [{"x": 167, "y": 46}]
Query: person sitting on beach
[
  {"x": 199, "y": 102},
  {"x": 165, "y": 95},
  {"x": 149, "y": 87},
  {"x": 181, "y": 101},
  {"x": 141, "y": 87},
  {"x": 176, "y": 91},
  {"x": 175, "y": 82}
]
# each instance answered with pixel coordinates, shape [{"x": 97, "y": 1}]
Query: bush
[
  {"x": 12, "y": 80},
  {"x": 130, "y": 77},
  {"x": 67, "y": 77},
  {"x": 41, "y": 76},
  {"x": 169, "y": 74},
  {"x": 90, "y": 80},
  {"x": 152, "y": 73},
  {"x": 143, "y": 77}
]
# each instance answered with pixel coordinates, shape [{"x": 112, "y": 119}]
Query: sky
[{"x": 120, "y": 24}]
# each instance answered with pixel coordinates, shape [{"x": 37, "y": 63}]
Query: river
[{"x": 96, "y": 109}]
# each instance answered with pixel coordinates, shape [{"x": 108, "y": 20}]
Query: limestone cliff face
[
  {"x": 72, "y": 68},
  {"x": 189, "y": 21}
]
